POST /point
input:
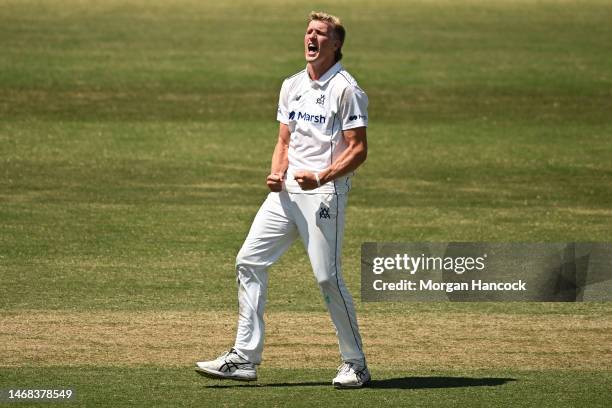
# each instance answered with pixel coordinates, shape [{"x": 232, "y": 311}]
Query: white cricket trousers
[{"x": 319, "y": 220}]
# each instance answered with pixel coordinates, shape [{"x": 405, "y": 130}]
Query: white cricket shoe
[
  {"x": 229, "y": 366},
  {"x": 351, "y": 375}
]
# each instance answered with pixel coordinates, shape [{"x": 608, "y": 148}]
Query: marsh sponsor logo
[{"x": 307, "y": 117}]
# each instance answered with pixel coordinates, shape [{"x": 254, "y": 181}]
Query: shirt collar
[{"x": 319, "y": 83}]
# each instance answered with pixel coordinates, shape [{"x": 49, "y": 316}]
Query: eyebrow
[{"x": 317, "y": 30}]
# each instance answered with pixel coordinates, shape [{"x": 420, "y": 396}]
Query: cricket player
[{"x": 321, "y": 141}]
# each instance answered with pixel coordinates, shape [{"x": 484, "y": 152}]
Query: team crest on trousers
[{"x": 324, "y": 212}]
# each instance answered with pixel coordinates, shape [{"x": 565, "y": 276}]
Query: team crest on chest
[{"x": 321, "y": 100}]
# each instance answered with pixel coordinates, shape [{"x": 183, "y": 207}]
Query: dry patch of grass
[{"x": 307, "y": 340}]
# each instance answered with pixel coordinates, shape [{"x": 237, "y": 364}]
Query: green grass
[
  {"x": 278, "y": 387},
  {"x": 135, "y": 137}
]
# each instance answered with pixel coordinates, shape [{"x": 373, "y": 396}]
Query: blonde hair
[{"x": 336, "y": 25}]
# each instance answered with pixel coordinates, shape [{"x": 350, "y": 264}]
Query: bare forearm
[
  {"x": 348, "y": 161},
  {"x": 351, "y": 158},
  {"x": 280, "y": 162}
]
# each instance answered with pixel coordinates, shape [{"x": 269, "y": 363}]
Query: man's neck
[{"x": 316, "y": 71}]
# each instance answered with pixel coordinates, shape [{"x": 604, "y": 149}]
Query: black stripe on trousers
[{"x": 348, "y": 315}]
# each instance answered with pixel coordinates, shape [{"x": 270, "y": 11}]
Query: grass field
[{"x": 135, "y": 137}]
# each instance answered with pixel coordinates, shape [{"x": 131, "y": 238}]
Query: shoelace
[
  {"x": 228, "y": 353},
  {"x": 241, "y": 360},
  {"x": 346, "y": 368}
]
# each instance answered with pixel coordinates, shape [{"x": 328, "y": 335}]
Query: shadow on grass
[
  {"x": 412, "y": 383},
  {"x": 405, "y": 383}
]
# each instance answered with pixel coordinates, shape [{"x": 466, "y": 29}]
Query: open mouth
[{"x": 312, "y": 48}]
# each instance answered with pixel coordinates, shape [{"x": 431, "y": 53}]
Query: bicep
[{"x": 356, "y": 138}]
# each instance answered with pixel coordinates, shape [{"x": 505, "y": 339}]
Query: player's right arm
[{"x": 280, "y": 160}]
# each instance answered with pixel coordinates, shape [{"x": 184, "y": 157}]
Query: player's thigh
[
  {"x": 321, "y": 226},
  {"x": 272, "y": 232}
]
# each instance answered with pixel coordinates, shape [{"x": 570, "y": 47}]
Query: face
[{"x": 319, "y": 43}]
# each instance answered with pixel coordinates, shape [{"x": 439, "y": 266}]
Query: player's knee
[
  {"x": 242, "y": 269},
  {"x": 330, "y": 282},
  {"x": 243, "y": 258},
  {"x": 240, "y": 260},
  {"x": 325, "y": 282},
  {"x": 245, "y": 264}
]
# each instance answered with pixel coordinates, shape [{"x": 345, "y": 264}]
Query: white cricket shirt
[{"x": 316, "y": 113}]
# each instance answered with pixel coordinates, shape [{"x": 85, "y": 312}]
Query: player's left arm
[{"x": 351, "y": 158}]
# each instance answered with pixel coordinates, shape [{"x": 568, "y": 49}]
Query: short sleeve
[
  {"x": 354, "y": 108},
  {"x": 282, "y": 114}
]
